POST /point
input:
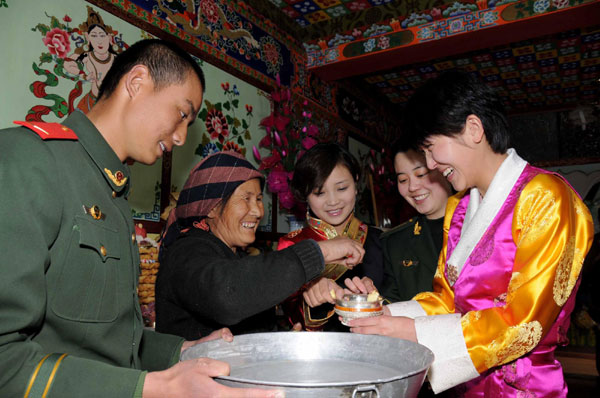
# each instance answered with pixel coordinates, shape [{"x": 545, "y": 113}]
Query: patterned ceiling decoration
[
  {"x": 307, "y": 12},
  {"x": 546, "y": 72},
  {"x": 436, "y": 25},
  {"x": 225, "y": 30}
]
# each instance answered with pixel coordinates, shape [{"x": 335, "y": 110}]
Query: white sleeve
[
  {"x": 452, "y": 364},
  {"x": 409, "y": 309}
]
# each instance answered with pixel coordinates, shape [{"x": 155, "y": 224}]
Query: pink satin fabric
[{"x": 482, "y": 283}]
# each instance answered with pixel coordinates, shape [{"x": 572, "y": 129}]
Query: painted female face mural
[
  {"x": 82, "y": 54},
  {"x": 94, "y": 57}
]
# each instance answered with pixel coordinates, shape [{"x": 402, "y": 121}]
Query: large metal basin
[{"x": 321, "y": 364}]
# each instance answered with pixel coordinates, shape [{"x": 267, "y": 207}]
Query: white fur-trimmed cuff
[
  {"x": 443, "y": 335},
  {"x": 409, "y": 309}
]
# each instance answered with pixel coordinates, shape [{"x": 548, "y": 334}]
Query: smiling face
[
  {"x": 453, "y": 158},
  {"x": 334, "y": 202},
  {"x": 424, "y": 189},
  {"x": 236, "y": 223},
  {"x": 160, "y": 118}
]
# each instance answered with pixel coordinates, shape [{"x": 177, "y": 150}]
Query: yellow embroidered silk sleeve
[
  {"x": 441, "y": 300},
  {"x": 553, "y": 231}
]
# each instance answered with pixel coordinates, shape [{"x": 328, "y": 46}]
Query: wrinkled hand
[
  {"x": 385, "y": 325},
  {"x": 359, "y": 286},
  {"x": 193, "y": 378},
  {"x": 320, "y": 292},
  {"x": 342, "y": 250},
  {"x": 223, "y": 333}
]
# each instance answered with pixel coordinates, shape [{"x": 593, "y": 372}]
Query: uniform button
[
  {"x": 103, "y": 250},
  {"x": 114, "y": 194},
  {"x": 133, "y": 238}
]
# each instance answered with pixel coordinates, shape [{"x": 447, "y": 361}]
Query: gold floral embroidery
[
  {"x": 567, "y": 272},
  {"x": 500, "y": 301},
  {"x": 294, "y": 233},
  {"x": 581, "y": 209},
  {"x": 516, "y": 281},
  {"x": 452, "y": 273},
  {"x": 471, "y": 316},
  {"x": 542, "y": 205},
  {"x": 515, "y": 342},
  {"x": 485, "y": 248}
]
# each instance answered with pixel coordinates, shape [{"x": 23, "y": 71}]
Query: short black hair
[
  {"x": 315, "y": 166},
  {"x": 401, "y": 145},
  {"x": 167, "y": 62},
  {"x": 441, "y": 106}
]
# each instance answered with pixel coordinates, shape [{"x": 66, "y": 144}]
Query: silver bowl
[{"x": 353, "y": 306}]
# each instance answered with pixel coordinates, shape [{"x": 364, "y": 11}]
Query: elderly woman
[{"x": 205, "y": 280}]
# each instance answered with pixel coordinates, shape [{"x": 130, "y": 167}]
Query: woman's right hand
[
  {"x": 342, "y": 250},
  {"x": 358, "y": 285},
  {"x": 320, "y": 292}
]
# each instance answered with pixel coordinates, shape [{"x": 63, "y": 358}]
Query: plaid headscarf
[{"x": 214, "y": 178}]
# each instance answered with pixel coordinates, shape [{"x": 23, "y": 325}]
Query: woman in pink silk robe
[{"x": 515, "y": 238}]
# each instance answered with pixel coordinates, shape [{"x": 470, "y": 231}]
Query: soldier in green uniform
[
  {"x": 70, "y": 321},
  {"x": 411, "y": 250}
]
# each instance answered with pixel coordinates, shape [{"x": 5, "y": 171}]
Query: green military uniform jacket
[
  {"x": 409, "y": 260},
  {"x": 70, "y": 271}
]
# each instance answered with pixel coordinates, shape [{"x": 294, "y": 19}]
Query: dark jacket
[
  {"x": 202, "y": 285},
  {"x": 409, "y": 259}
]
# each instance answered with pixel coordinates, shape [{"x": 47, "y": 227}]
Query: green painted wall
[{"x": 21, "y": 46}]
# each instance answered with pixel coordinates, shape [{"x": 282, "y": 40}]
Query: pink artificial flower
[
  {"x": 277, "y": 138},
  {"x": 278, "y": 181},
  {"x": 313, "y": 130},
  {"x": 265, "y": 142},
  {"x": 276, "y": 96},
  {"x": 256, "y": 153},
  {"x": 281, "y": 122},
  {"x": 286, "y": 199},
  {"x": 308, "y": 142},
  {"x": 267, "y": 122},
  {"x": 270, "y": 161}
]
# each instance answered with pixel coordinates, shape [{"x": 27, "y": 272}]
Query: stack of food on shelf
[{"x": 149, "y": 269}]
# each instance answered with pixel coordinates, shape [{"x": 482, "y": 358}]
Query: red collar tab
[{"x": 49, "y": 131}]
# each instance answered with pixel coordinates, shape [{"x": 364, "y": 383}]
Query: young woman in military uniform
[{"x": 411, "y": 250}]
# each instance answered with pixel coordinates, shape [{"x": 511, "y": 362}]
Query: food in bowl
[{"x": 353, "y": 306}]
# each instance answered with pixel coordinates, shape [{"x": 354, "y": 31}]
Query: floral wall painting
[
  {"x": 226, "y": 129},
  {"x": 79, "y": 54}
]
